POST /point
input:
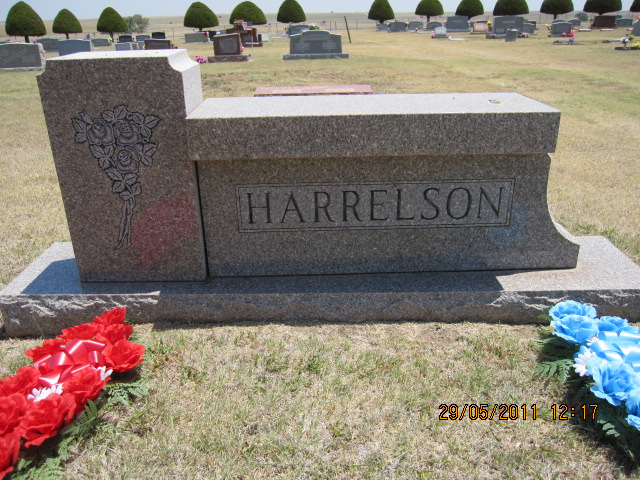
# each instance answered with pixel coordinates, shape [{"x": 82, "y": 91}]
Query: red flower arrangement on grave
[{"x": 67, "y": 372}]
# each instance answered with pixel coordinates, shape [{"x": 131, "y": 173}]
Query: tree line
[{"x": 22, "y": 20}]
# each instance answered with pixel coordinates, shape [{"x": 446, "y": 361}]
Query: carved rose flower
[
  {"x": 127, "y": 133},
  {"x": 100, "y": 133},
  {"x": 127, "y": 160}
]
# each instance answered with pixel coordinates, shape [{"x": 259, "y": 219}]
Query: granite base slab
[
  {"x": 227, "y": 58},
  {"x": 48, "y": 296},
  {"x": 313, "y": 56}
]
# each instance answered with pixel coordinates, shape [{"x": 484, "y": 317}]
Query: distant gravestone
[
  {"x": 533, "y": 22},
  {"x": 416, "y": 25},
  {"x": 157, "y": 44},
  {"x": 212, "y": 33},
  {"x": 67, "y": 47},
  {"x": 575, "y": 22},
  {"x": 624, "y": 22},
  {"x": 440, "y": 32},
  {"x": 21, "y": 56},
  {"x": 636, "y": 28},
  {"x": 124, "y": 46},
  {"x": 198, "y": 37},
  {"x": 315, "y": 44},
  {"x": 511, "y": 36},
  {"x": 481, "y": 27},
  {"x": 604, "y": 21},
  {"x": 560, "y": 29},
  {"x": 457, "y": 23},
  {"x": 397, "y": 27},
  {"x": 508, "y": 22},
  {"x": 49, "y": 44},
  {"x": 142, "y": 38},
  {"x": 158, "y": 35},
  {"x": 528, "y": 28},
  {"x": 297, "y": 29},
  {"x": 227, "y": 48},
  {"x": 431, "y": 26},
  {"x": 125, "y": 39},
  {"x": 265, "y": 37},
  {"x": 100, "y": 42},
  {"x": 382, "y": 27}
]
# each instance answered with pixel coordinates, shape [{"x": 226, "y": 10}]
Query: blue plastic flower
[
  {"x": 633, "y": 408},
  {"x": 614, "y": 381},
  {"x": 615, "y": 324},
  {"x": 575, "y": 328},
  {"x": 571, "y": 307}
]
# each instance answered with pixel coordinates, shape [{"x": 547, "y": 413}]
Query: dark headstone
[
  {"x": 636, "y": 28},
  {"x": 508, "y": 22},
  {"x": 313, "y": 44},
  {"x": 125, "y": 38},
  {"x": 157, "y": 44},
  {"x": 397, "y": 27},
  {"x": 158, "y": 35},
  {"x": 457, "y": 23},
  {"x": 212, "y": 33},
  {"x": 416, "y": 25},
  {"x": 560, "y": 29},
  {"x": 49, "y": 44},
  {"x": 142, "y": 38},
  {"x": 21, "y": 56},
  {"x": 575, "y": 22},
  {"x": 67, "y": 47},
  {"x": 604, "y": 21},
  {"x": 227, "y": 48},
  {"x": 433, "y": 25},
  {"x": 624, "y": 22}
]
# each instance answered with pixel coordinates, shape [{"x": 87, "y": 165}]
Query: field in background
[{"x": 356, "y": 401}]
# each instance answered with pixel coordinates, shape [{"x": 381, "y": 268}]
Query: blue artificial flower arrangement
[{"x": 605, "y": 354}]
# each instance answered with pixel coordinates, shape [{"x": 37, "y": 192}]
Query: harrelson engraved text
[{"x": 333, "y": 206}]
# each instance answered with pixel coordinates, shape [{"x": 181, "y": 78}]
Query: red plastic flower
[
  {"x": 84, "y": 385},
  {"x": 9, "y": 449},
  {"x": 123, "y": 355},
  {"x": 112, "y": 316},
  {"x": 48, "y": 347},
  {"x": 44, "y": 418},
  {"x": 115, "y": 333},
  {"x": 86, "y": 331},
  {"x": 12, "y": 408},
  {"x": 22, "y": 382}
]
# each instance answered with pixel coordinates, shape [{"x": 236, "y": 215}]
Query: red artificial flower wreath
[{"x": 67, "y": 372}]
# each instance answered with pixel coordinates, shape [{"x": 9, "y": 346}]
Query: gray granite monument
[
  {"x": 508, "y": 22},
  {"x": 49, "y": 44},
  {"x": 198, "y": 37},
  {"x": 397, "y": 27},
  {"x": 433, "y": 25},
  {"x": 440, "y": 32},
  {"x": 636, "y": 28},
  {"x": 132, "y": 209},
  {"x": 432, "y": 207},
  {"x": 560, "y": 29},
  {"x": 416, "y": 26},
  {"x": 68, "y": 47},
  {"x": 315, "y": 44},
  {"x": 125, "y": 38},
  {"x": 157, "y": 44},
  {"x": 457, "y": 23},
  {"x": 100, "y": 42},
  {"x": 227, "y": 48},
  {"x": 21, "y": 56}
]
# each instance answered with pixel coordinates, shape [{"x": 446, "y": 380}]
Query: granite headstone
[
  {"x": 431, "y": 26},
  {"x": 481, "y": 27},
  {"x": 636, "y": 28},
  {"x": 560, "y": 29},
  {"x": 604, "y": 21},
  {"x": 21, "y": 56},
  {"x": 142, "y": 38},
  {"x": 315, "y": 44},
  {"x": 227, "y": 48},
  {"x": 157, "y": 44},
  {"x": 131, "y": 201},
  {"x": 68, "y": 47},
  {"x": 440, "y": 32},
  {"x": 457, "y": 23},
  {"x": 49, "y": 44},
  {"x": 382, "y": 27},
  {"x": 125, "y": 38},
  {"x": 508, "y": 22},
  {"x": 416, "y": 26},
  {"x": 100, "y": 42},
  {"x": 511, "y": 36},
  {"x": 158, "y": 35},
  {"x": 198, "y": 37},
  {"x": 297, "y": 29},
  {"x": 397, "y": 27}
]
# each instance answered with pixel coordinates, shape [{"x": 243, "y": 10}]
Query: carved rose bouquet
[
  {"x": 67, "y": 372},
  {"x": 120, "y": 141}
]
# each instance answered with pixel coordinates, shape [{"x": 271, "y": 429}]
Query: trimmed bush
[
  {"x": 110, "y": 21},
  {"x": 635, "y": 6},
  {"x": 200, "y": 16},
  {"x": 556, "y": 7},
  {"x": 22, "y": 20},
  {"x": 249, "y": 12},
  {"x": 291, "y": 12},
  {"x": 381, "y": 11},
  {"x": 66, "y": 22},
  {"x": 583, "y": 17},
  {"x": 470, "y": 8},
  {"x": 429, "y": 8},
  {"x": 510, "y": 7},
  {"x": 602, "y": 6}
]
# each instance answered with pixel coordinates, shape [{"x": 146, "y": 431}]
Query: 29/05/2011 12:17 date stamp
[{"x": 503, "y": 411}]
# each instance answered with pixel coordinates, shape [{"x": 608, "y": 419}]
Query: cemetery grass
[{"x": 356, "y": 401}]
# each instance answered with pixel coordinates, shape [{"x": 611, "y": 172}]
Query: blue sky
[{"x": 48, "y": 9}]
